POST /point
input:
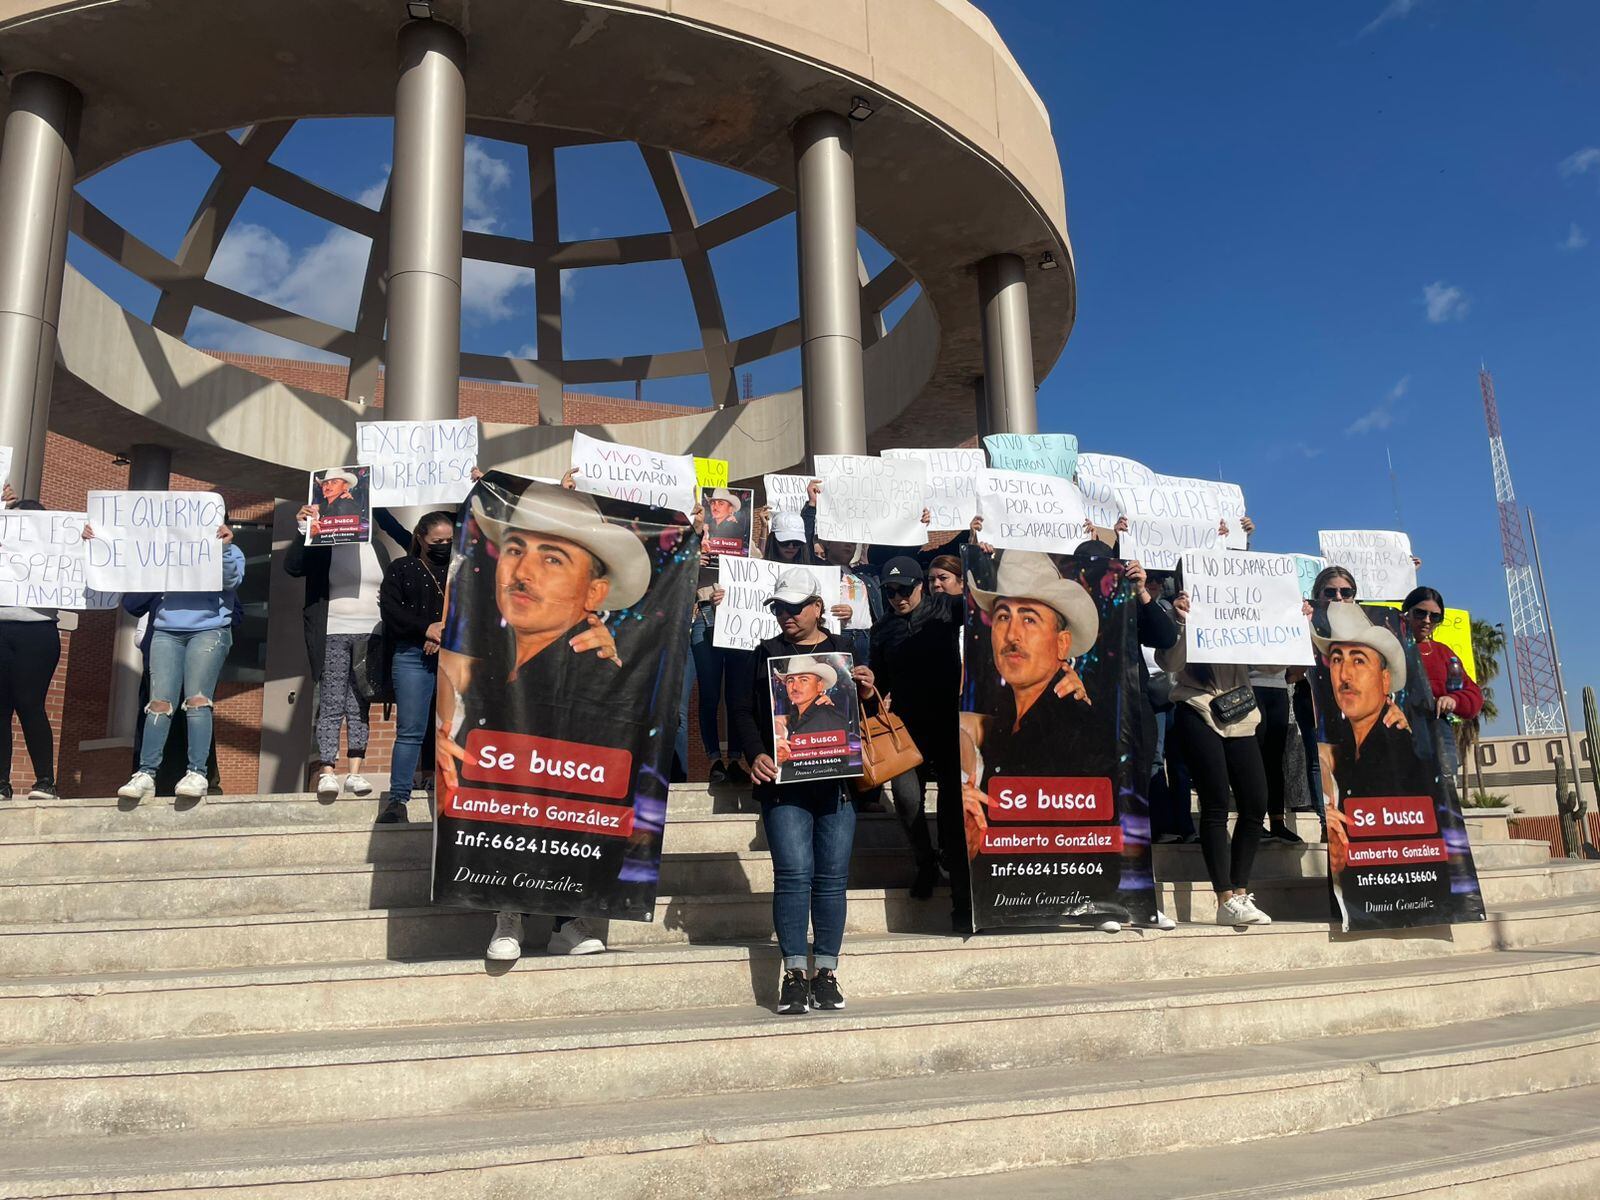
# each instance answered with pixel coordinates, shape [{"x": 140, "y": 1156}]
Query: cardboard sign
[
  {"x": 1034, "y": 453},
  {"x": 341, "y": 506},
  {"x": 1454, "y": 631},
  {"x": 1380, "y": 560},
  {"x": 786, "y": 493},
  {"x": 633, "y": 473},
  {"x": 1309, "y": 567},
  {"x": 1029, "y": 512},
  {"x": 743, "y": 619},
  {"x": 816, "y": 717},
  {"x": 952, "y": 499},
  {"x": 42, "y": 562},
  {"x": 869, "y": 499},
  {"x": 1245, "y": 608},
  {"x": 711, "y": 472},
  {"x": 418, "y": 462},
  {"x": 154, "y": 542},
  {"x": 727, "y": 513},
  {"x": 1163, "y": 522},
  {"x": 1101, "y": 475}
]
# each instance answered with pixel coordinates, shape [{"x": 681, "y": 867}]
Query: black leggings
[
  {"x": 1216, "y": 764},
  {"x": 1273, "y": 737},
  {"x": 29, "y": 652}
]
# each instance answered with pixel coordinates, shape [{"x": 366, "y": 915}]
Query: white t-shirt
[{"x": 355, "y": 572}]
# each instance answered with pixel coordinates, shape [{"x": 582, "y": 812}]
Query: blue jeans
[
  {"x": 414, "y": 674},
  {"x": 183, "y": 666},
  {"x": 810, "y": 829}
]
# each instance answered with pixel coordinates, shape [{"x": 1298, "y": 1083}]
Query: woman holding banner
[{"x": 1456, "y": 694}]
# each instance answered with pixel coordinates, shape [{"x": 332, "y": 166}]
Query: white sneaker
[
  {"x": 1235, "y": 910},
  {"x": 574, "y": 938},
  {"x": 506, "y": 945},
  {"x": 192, "y": 786},
  {"x": 1257, "y": 916},
  {"x": 1109, "y": 927},
  {"x": 1164, "y": 922},
  {"x": 141, "y": 787},
  {"x": 357, "y": 785},
  {"x": 327, "y": 786}
]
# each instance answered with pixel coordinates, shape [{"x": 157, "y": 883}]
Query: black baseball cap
[{"x": 903, "y": 570}]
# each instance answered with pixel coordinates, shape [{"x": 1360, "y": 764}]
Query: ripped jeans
[{"x": 186, "y": 666}]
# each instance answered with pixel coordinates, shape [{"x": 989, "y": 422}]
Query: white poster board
[
  {"x": 633, "y": 473},
  {"x": 1034, "y": 453},
  {"x": 786, "y": 493},
  {"x": 870, "y": 499},
  {"x": 1310, "y": 566},
  {"x": 952, "y": 499},
  {"x": 743, "y": 620},
  {"x": 1163, "y": 522},
  {"x": 42, "y": 562},
  {"x": 1101, "y": 475},
  {"x": 5, "y": 464},
  {"x": 418, "y": 462},
  {"x": 1021, "y": 511},
  {"x": 1245, "y": 608},
  {"x": 155, "y": 542},
  {"x": 1380, "y": 560}
]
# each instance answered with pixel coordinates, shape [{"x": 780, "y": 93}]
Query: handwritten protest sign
[
  {"x": 1245, "y": 608},
  {"x": 418, "y": 462},
  {"x": 1029, "y": 512},
  {"x": 786, "y": 493},
  {"x": 1034, "y": 453},
  {"x": 1222, "y": 501},
  {"x": 1163, "y": 522},
  {"x": 1099, "y": 477},
  {"x": 633, "y": 473},
  {"x": 870, "y": 499},
  {"x": 952, "y": 499},
  {"x": 1454, "y": 631},
  {"x": 1309, "y": 566},
  {"x": 154, "y": 542},
  {"x": 711, "y": 472},
  {"x": 42, "y": 562},
  {"x": 743, "y": 619},
  {"x": 1379, "y": 559}
]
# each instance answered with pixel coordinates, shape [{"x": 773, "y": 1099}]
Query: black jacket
[
  {"x": 916, "y": 661},
  {"x": 751, "y": 713},
  {"x": 411, "y": 599}
]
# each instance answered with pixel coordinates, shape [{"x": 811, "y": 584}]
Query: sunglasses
[
  {"x": 784, "y": 609},
  {"x": 898, "y": 592},
  {"x": 1338, "y": 593},
  {"x": 1428, "y": 618}
]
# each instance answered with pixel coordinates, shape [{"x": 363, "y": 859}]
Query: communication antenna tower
[
  {"x": 747, "y": 386},
  {"x": 1540, "y": 701}
]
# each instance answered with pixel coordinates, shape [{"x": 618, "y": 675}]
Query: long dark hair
[
  {"x": 439, "y": 516},
  {"x": 1418, "y": 595}
]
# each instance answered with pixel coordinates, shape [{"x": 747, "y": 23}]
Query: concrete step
[
  {"x": 244, "y": 1081},
  {"x": 845, "y": 1134},
  {"x": 1540, "y": 1147},
  {"x": 78, "y": 1004}
]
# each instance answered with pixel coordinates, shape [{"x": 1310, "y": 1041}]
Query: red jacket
[{"x": 1436, "y": 660}]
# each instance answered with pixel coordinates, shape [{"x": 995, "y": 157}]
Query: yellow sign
[
  {"x": 1454, "y": 631},
  {"x": 711, "y": 472}
]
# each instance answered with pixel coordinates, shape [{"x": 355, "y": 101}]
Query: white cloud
[
  {"x": 526, "y": 350},
  {"x": 487, "y": 288},
  {"x": 486, "y": 176},
  {"x": 1444, "y": 302},
  {"x": 1395, "y": 10},
  {"x": 1580, "y": 162},
  {"x": 1381, "y": 415},
  {"x": 372, "y": 197},
  {"x": 1577, "y": 239}
]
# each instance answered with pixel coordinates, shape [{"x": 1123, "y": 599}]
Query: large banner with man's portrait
[
  {"x": 1058, "y": 828},
  {"x": 1398, "y": 854},
  {"x": 559, "y": 683}
]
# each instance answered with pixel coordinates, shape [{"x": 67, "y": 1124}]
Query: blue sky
[{"x": 1299, "y": 228}]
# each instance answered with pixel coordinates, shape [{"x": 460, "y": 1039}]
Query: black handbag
[
  {"x": 1233, "y": 706},
  {"x": 369, "y": 669}
]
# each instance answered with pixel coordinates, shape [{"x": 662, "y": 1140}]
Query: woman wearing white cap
[{"x": 810, "y": 826}]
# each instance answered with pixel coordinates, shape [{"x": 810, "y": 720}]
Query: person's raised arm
[{"x": 390, "y": 524}]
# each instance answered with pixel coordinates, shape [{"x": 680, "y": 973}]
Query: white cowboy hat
[
  {"x": 576, "y": 517},
  {"x": 796, "y": 586},
  {"x": 725, "y": 494},
  {"x": 344, "y": 475},
  {"x": 1348, "y": 624},
  {"x": 788, "y": 527},
  {"x": 804, "y": 664},
  {"x": 1030, "y": 575}
]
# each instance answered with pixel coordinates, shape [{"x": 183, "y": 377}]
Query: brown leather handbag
[{"x": 886, "y": 749}]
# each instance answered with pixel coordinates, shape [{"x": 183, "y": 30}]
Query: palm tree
[{"x": 1488, "y": 644}]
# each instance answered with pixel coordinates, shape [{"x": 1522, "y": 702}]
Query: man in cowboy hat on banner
[
  {"x": 724, "y": 507},
  {"x": 338, "y": 511}
]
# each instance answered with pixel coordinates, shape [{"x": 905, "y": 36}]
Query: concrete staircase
[{"x": 255, "y": 995}]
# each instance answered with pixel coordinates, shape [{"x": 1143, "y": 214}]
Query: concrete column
[
  {"x": 980, "y": 406},
  {"x": 37, "y": 171},
  {"x": 830, "y": 290},
  {"x": 1007, "y": 345},
  {"x": 149, "y": 470},
  {"x": 423, "y": 364}
]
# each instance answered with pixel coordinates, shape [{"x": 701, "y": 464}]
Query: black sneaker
[
  {"x": 927, "y": 879},
  {"x": 719, "y": 772},
  {"x": 394, "y": 813},
  {"x": 43, "y": 789},
  {"x": 825, "y": 993},
  {"x": 5, "y": 791},
  {"x": 794, "y": 996},
  {"x": 1282, "y": 833},
  {"x": 737, "y": 775}
]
